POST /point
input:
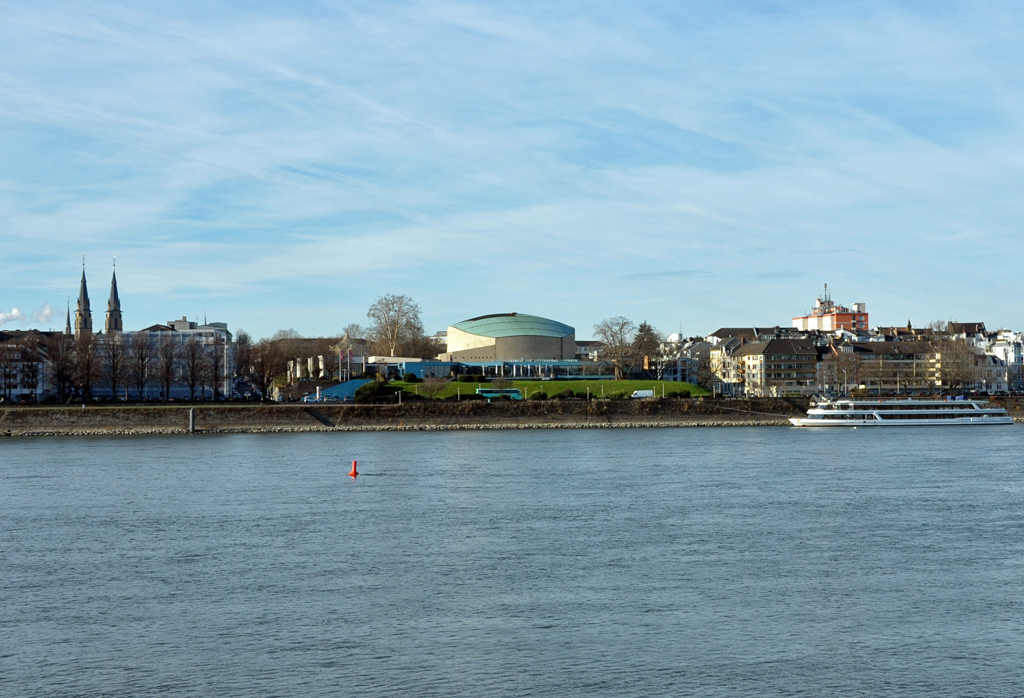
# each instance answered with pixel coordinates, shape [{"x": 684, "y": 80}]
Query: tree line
[
  {"x": 132, "y": 364},
  {"x": 958, "y": 367},
  {"x": 121, "y": 363},
  {"x": 395, "y": 329}
]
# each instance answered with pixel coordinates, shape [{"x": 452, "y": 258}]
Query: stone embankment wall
[
  {"x": 419, "y": 415},
  {"x": 1014, "y": 406},
  {"x": 422, "y": 415}
]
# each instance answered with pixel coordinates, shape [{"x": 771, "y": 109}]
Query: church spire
[
  {"x": 114, "y": 322},
  {"x": 83, "y": 315},
  {"x": 67, "y": 323}
]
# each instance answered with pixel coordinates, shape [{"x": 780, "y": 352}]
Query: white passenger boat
[{"x": 901, "y": 413}]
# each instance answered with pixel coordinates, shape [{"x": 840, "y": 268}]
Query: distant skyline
[{"x": 695, "y": 165}]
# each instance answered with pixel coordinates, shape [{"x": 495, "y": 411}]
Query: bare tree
[
  {"x": 919, "y": 375},
  {"x": 32, "y": 363},
  {"x": 875, "y": 369},
  {"x": 167, "y": 359},
  {"x": 267, "y": 363},
  {"x": 87, "y": 361},
  {"x": 958, "y": 364},
  {"x": 704, "y": 373},
  {"x": 617, "y": 334},
  {"x": 8, "y": 369},
  {"x": 325, "y": 348},
  {"x": 331, "y": 363},
  {"x": 215, "y": 363},
  {"x": 288, "y": 343},
  {"x": 140, "y": 362},
  {"x": 394, "y": 319},
  {"x": 432, "y": 386},
  {"x": 193, "y": 365},
  {"x": 418, "y": 345},
  {"x": 205, "y": 376},
  {"x": 840, "y": 369},
  {"x": 354, "y": 331},
  {"x": 113, "y": 360},
  {"x": 352, "y": 343},
  {"x": 60, "y": 350},
  {"x": 243, "y": 352}
]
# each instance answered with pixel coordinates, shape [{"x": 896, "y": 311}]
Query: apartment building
[
  {"x": 883, "y": 367},
  {"x": 765, "y": 368}
]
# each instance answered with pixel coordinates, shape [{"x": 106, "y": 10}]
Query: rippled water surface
[{"x": 657, "y": 562}]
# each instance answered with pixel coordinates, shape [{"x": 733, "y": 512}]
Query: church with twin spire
[
  {"x": 83, "y": 312},
  {"x": 175, "y": 343}
]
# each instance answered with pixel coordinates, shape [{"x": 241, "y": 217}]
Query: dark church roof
[
  {"x": 114, "y": 303},
  {"x": 83, "y": 295}
]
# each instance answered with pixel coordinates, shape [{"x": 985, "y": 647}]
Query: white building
[
  {"x": 1007, "y": 348},
  {"x": 682, "y": 359},
  {"x": 213, "y": 336}
]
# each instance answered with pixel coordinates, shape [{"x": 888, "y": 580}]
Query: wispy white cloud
[{"x": 340, "y": 150}]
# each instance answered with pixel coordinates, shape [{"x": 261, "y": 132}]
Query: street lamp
[{"x": 844, "y": 381}]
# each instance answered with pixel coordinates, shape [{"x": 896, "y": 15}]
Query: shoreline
[
  {"x": 494, "y": 426},
  {"x": 467, "y": 415}
]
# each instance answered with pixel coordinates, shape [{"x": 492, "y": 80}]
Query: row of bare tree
[
  {"x": 19, "y": 365},
  {"x": 132, "y": 364},
  {"x": 959, "y": 366},
  {"x": 127, "y": 364}
]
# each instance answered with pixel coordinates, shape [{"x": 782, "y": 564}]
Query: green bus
[{"x": 498, "y": 393}]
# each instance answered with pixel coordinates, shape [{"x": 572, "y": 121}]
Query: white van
[{"x": 642, "y": 393}]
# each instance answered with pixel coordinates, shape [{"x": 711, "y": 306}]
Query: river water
[{"x": 627, "y": 562}]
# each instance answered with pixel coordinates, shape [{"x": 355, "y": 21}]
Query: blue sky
[{"x": 277, "y": 165}]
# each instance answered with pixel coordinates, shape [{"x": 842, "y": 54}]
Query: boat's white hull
[{"x": 958, "y": 421}]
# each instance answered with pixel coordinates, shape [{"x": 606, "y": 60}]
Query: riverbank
[
  {"x": 412, "y": 416},
  {"x": 423, "y": 415}
]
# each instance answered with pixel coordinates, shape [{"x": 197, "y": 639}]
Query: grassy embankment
[{"x": 598, "y": 388}]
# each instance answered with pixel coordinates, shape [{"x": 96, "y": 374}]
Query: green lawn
[{"x": 598, "y": 388}]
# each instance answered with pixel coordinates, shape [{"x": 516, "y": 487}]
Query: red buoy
[{"x": 354, "y": 471}]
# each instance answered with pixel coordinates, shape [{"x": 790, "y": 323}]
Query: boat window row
[
  {"x": 954, "y": 407},
  {"x": 887, "y": 417},
  {"x": 918, "y": 415}
]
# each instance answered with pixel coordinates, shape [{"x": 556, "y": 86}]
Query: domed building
[{"x": 510, "y": 337}]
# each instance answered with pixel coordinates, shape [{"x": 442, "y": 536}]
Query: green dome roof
[{"x": 514, "y": 325}]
